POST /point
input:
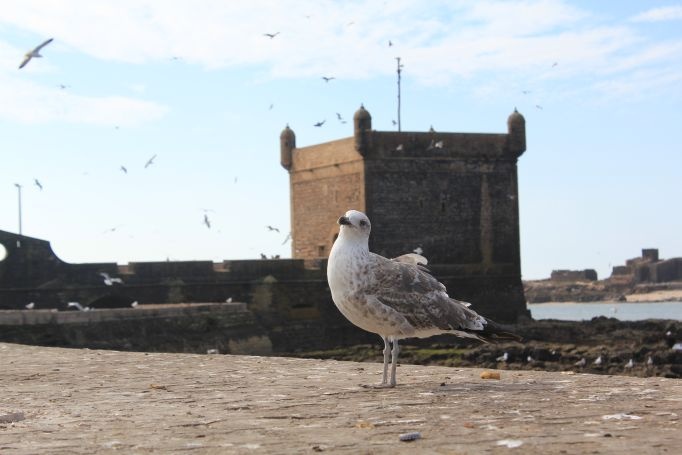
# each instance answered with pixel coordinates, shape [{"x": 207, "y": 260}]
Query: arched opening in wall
[
  {"x": 3, "y": 252},
  {"x": 111, "y": 301}
]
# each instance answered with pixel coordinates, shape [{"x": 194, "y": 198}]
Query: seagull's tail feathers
[{"x": 493, "y": 332}]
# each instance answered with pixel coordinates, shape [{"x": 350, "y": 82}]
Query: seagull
[
  {"x": 271, "y": 106},
  {"x": 598, "y": 361},
  {"x": 581, "y": 363},
  {"x": 390, "y": 43},
  {"x": 134, "y": 304},
  {"x": 109, "y": 281},
  {"x": 271, "y": 35},
  {"x": 271, "y": 228},
  {"x": 149, "y": 162},
  {"x": 525, "y": 92},
  {"x": 35, "y": 53},
  {"x": 529, "y": 359},
  {"x": 503, "y": 358},
  {"x": 630, "y": 364},
  {"x": 328, "y": 78},
  {"x": 394, "y": 122},
  {"x": 38, "y": 184},
  {"x": 339, "y": 116},
  {"x": 124, "y": 169},
  {"x": 438, "y": 145},
  {"x": 30, "y": 306},
  {"x": 228, "y": 300},
  {"x": 538, "y": 106},
  {"x": 395, "y": 298},
  {"x": 554, "y": 64},
  {"x": 207, "y": 222},
  {"x": 78, "y": 306},
  {"x": 318, "y": 124},
  {"x": 418, "y": 250},
  {"x": 63, "y": 87},
  {"x": 649, "y": 362},
  {"x": 287, "y": 238}
]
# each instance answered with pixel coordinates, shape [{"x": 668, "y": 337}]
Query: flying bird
[
  {"x": 124, "y": 169},
  {"x": 339, "y": 117},
  {"x": 149, "y": 162},
  {"x": 288, "y": 237},
  {"x": 538, "y": 106},
  {"x": 394, "y": 122},
  {"x": 207, "y": 222},
  {"x": 390, "y": 43},
  {"x": 35, "y": 53},
  {"x": 395, "y": 298},
  {"x": 109, "y": 281},
  {"x": 328, "y": 78},
  {"x": 271, "y": 228},
  {"x": 38, "y": 184},
  {"x": 78, "y": 306},
  {"x": 554, "y": 64},
  {"x": 271, "y": 35},
  {"x": 63, "y": 87},
  {"x": 318, "y": 124},
  {"x": 525, "y": 92}
]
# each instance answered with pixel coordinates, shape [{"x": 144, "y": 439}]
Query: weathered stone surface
[{"x": 84, "y": 401}]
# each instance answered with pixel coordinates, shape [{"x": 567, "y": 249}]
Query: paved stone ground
[{"x": 79, "y": 401}]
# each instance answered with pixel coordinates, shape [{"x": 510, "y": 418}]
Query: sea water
[{"x": 619, "y": 310}]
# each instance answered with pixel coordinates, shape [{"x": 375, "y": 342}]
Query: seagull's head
[{"x": 355, "y": 222}]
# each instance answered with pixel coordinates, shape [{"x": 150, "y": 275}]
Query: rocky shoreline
[{"x": 548, "y": 345}]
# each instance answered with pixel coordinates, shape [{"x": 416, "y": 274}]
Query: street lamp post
[{"x": 19, "y": 195}]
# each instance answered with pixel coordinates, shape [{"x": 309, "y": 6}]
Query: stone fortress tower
[{"x": 454, "y": 195}]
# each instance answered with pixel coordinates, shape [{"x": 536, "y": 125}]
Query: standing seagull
[
  {"x": 35, "y": 53},
  {"x": 395, "y": 298}
]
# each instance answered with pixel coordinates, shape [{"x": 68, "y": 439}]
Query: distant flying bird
[
  {"x": 63, "y": 87},
  {"x": 390, "y": 43},
  {"x": 109, "y": 281},
  {"x": 328, "y": 78},
  {"x": 554, "y": 64},
  {"x": 37, "y": 183},
  {"x": 35, "y": 53},
  {"x": 124, "y": 169},
  {"x": 78, "y": 306},
  {"x": 288, "y": 237},
  {"x": 503, "y": 358},
  {"x": 113, "y": 229},
  {"x": 538, "y": 106},
  {"x": 394, "y": 122},
  {"x": 598, "y": 361},
  {"x": 207, "y": 222},
  {"x": 271, "y": 106},
  {"x": 339, "y": 116},
  {"x": 525, "y": 92},
  {"x": 318, "y": 124},
  {"x": 271, "y": 35},
  {"x": 630, "y": 364},
  {"x": 581, "y": 363},
  {"x": 149, "y": 162},
  {"x": 30, "y": 306},
  {"x": 272, "y": 228}
]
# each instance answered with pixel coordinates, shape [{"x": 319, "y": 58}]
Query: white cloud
[
  {"x": 440, "y": 43},
  {"x": 665, "y": 13},
  {"x": 27, "y": 102}
]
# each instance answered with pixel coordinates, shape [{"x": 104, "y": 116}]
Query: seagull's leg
[
  {"x": 394, "y": 360},
  {"x": 387, "y": 353}
]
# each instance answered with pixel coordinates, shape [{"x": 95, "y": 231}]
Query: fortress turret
[
  {"x": 362, "y": 128},
  {"x": 287, "y": 143},
  {"x": 516, "y": 128}
]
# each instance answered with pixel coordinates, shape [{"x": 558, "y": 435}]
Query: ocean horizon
[{"x": 624, "y": 311}]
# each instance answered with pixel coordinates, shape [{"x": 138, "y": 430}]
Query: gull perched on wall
[
  {"x": 34, "y": 53},
  {"x": 396, "y": 298}
]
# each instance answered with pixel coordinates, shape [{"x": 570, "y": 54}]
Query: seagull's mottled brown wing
[{"x": 419, "y": 297}]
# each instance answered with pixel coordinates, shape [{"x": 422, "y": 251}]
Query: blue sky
[{"x": 193, "y": 83}]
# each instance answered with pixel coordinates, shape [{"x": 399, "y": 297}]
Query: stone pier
[{"x": 80, "y": 401}]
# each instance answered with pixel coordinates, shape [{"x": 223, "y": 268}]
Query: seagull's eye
[{"x": 363, "y": 223}]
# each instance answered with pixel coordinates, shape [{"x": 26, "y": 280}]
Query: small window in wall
[
  {"x": 3, "y": 252},
  {"x": 320, "y": 251}
]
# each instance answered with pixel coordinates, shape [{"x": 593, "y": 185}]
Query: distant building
[
  {"x": 574, "y": 275},
  {"x": 648, "y": 268}
]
